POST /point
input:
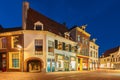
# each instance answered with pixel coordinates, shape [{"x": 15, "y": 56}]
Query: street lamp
[{"x": 21, "y": 48}]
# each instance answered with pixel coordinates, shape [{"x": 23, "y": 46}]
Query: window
[
  {"x": 67, "y": 47},
  {"x": 105, "y": 60},
  {"x": 59, "y": 64},
  {"x": 86, "y": 52},
  {"x": 15, "y": 41},
  {"x": 56, "y": 44},
  {"x": 74, "y": 49},
  {"x": 67, "y": 35},
  {"x": 15, "y": 60},
  {"x": 38, "y": 26},
  {"x": 83, "y": 40},
  {"x": 86, "y": 41},
  {"x": 60, "y": 46},
  {"x": 38, "y": 47},
  {"x": 70, "y": 48},
  {"x": 3, "y": 42},
  {"x": 78, "y": 60},
  {"x": 113, "y": 59},
  {"x": 91, "y": 53},
  {"x": 94, "y": 54},
  {"x": 50, "y": 48},
  {"x": 93, "y": 47},
  {"x": 78, "y": 38},
  {"x": 112, "y": 55},
  {"x": 119, "y": 58},
  {"x": 63, "y": 46}
]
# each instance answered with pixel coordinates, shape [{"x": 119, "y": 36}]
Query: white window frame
[
  {"x": 3, "y": 45},
  {"x": 38, "y": 23},
  {"x": 10, "y": 60}
]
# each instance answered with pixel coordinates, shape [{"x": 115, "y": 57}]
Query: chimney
[
  {"x": 24, "y": 14},
  {"x": 94, "y": 40}
]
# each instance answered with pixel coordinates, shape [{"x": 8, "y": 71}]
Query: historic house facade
[
  {"x": 43, "y": 45},
  {"x": 111, "y": 59},
  {"x": 93, "y": 55}
]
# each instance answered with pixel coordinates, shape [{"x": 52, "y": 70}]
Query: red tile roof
[
  {"x": 108, "y": 52},
  {"x": 48, "y": 24}
]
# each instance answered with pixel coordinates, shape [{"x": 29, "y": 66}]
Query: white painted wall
[{"x": 29, "y": 47}]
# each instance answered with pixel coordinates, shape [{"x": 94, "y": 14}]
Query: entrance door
[
  {"x": 66, "y": 66},
  {"x": 33, "y": 66},
  {"x": 3, "y": 62}
]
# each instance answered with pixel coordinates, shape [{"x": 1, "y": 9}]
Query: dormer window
[
  {"x": 67, "y": 35},
  {"x": 38, "y": 26}
]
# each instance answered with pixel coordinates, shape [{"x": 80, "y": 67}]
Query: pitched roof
[
  {"x": 1, "y": 27},
  {"x": 10, "y": 29},
  {"x": 112, "y": 50},
  {"x": 49, "y": 25}
]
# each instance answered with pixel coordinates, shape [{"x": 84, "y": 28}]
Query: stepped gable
[{"x": 48, "y": 24}]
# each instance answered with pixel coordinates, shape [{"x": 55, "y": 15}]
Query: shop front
[
  {"x": 50, "y": 65},
  {"x": 72, "y": 63},
  {"x": 82, "y": 63},
  {"x": 90, "y": 64},
  {"x": 60, "y": 63},
  {"x": 66, "y": 63},
  {"x": 85, "y": 64}
]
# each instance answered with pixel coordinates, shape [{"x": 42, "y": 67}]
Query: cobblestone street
[{"x": 84, "y": 75}]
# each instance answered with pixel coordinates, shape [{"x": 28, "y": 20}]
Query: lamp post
[{"x": 20, "y": 48}]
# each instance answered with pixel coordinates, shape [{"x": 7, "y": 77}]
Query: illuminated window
[
  {"x": 67, "y": 47},
  {"x": 67, "y": 35},
  {"x": 83, "y": 40},
  {"x": 91, "y": 53},
  {"x": 93, "y": 47},
  {"x": 3, "y": 42},
  {"x": 50, "y": 48},
  {"x": 15, "y": 60},
  {"x": 74, "y": 49},
  {"x": 60, "y": 45},
  {"x": 78, "y": 38},
  {"x": 59, "y": 63},
  {"x": 15, "y": 41},
  {"x": 38, "y": 47},
  {"x": 86, "y": 41}
]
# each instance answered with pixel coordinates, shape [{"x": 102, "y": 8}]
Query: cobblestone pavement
[{"x": 84, "y": 75}]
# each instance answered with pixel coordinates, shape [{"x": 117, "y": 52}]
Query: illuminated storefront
[
  {"x": 73, "y": 64},
  {"x": 82, "y": 63},
  {"x": 59, "y": 63},
  {"x": 50, "y": 65}
]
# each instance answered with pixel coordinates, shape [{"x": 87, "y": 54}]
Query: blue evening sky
[{"x": 101, "y": 16}]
